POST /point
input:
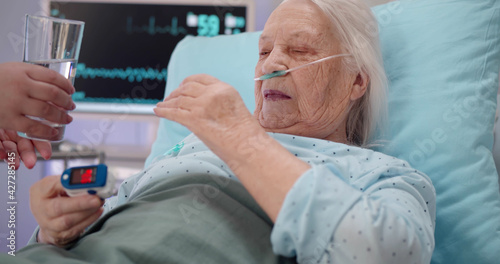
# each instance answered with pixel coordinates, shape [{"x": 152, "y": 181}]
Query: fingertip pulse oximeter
[{"x": 88, "y": 180}]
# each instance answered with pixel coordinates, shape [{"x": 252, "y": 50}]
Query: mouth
[{"x": 275, "y": 95}]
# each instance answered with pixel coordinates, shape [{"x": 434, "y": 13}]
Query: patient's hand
[
  {"x": 216, "y": 114},
  {"x": 212, "y": 110},
  {"x": 61, "y": 218},
  {"x": 24, "y": 148}
]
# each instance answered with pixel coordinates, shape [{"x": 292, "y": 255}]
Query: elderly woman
[{"x": 299, "y": 156}]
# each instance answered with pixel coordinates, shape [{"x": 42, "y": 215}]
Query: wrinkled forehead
[
  {"x": 301, "y": 20},
  {"x": 291, "y": 34}
]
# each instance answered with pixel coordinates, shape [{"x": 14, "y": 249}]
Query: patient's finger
[
  {"x": 46, "y": 188},
  {"x": 79, "y": 220},
  {"x": 204, "y": 79},
  {"x": 182, "y": 102},
  {"x": 67, "y": 205},
  {"x": 174, "y": 114},
  {"x": 61, "y": 238},
  {"x": 191, "y": 89}
]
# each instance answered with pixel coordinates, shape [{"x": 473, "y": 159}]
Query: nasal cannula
[{"x": 284, "y": 72}]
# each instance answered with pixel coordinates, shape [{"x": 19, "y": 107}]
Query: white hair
[{"x": 357, "y": 30}]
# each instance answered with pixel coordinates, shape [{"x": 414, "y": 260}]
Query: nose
[{"x": 275, "y": 61}]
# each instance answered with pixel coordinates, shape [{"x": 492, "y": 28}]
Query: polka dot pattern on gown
[{"x": 349, "y": 207}]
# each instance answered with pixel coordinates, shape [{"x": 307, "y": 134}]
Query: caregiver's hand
[
  {"x": 27, "y": 90},
  {"x": 211, "y": 109},
  {"x": 23, "y": 148},
  {"x": 61, "y": 218}
]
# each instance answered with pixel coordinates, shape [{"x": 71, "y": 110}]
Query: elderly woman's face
[{"x": 312, "y": 101}]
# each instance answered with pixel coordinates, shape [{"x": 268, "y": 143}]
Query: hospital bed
[{"x": 442, "y": 59}]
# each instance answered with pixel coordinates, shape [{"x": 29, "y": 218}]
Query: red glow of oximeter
[{"x": 83, "y": 176}]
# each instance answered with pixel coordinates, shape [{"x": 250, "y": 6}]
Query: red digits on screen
[{"x": 86, "y": 176}]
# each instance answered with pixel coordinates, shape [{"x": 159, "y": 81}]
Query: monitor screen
[{"x": 127, "y": 45}]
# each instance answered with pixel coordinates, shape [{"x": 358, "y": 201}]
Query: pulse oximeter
[{"x": 88, "y": 180}]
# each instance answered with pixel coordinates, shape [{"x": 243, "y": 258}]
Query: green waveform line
[
  {"x": 152, "y": 29},
  {"x": 130, "y": 74}
]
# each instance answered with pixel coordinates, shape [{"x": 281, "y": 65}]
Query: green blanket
[{"x": 188, "y": 219}]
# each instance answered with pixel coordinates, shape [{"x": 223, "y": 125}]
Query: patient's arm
[
  {"x": 61, "y": 218},
  {"x": 384, "y": 214},
  {"x": 401, "y": 237},
  {"x": 216, "y": 114}
]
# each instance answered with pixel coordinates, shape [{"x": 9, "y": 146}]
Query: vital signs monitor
[{"x": 127, "y": 45}]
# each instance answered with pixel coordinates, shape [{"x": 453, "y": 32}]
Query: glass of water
[{"x": 53, "y": 43}]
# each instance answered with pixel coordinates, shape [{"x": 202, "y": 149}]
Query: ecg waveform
[
  {"x": 129, "y": 74},
  {"x": 152, "y": 29}
]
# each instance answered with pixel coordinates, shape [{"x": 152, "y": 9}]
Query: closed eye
[
  {"x": 299, "y": 51},
  {"x": 263, "y": 54}
]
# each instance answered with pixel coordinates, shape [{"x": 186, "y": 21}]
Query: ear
[{"x": 359, "y": 86}]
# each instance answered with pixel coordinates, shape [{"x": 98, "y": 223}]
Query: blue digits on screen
[{"x": 208, "y": 25}]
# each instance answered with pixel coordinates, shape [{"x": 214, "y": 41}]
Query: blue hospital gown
[{"x": 354, "y": 205}]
